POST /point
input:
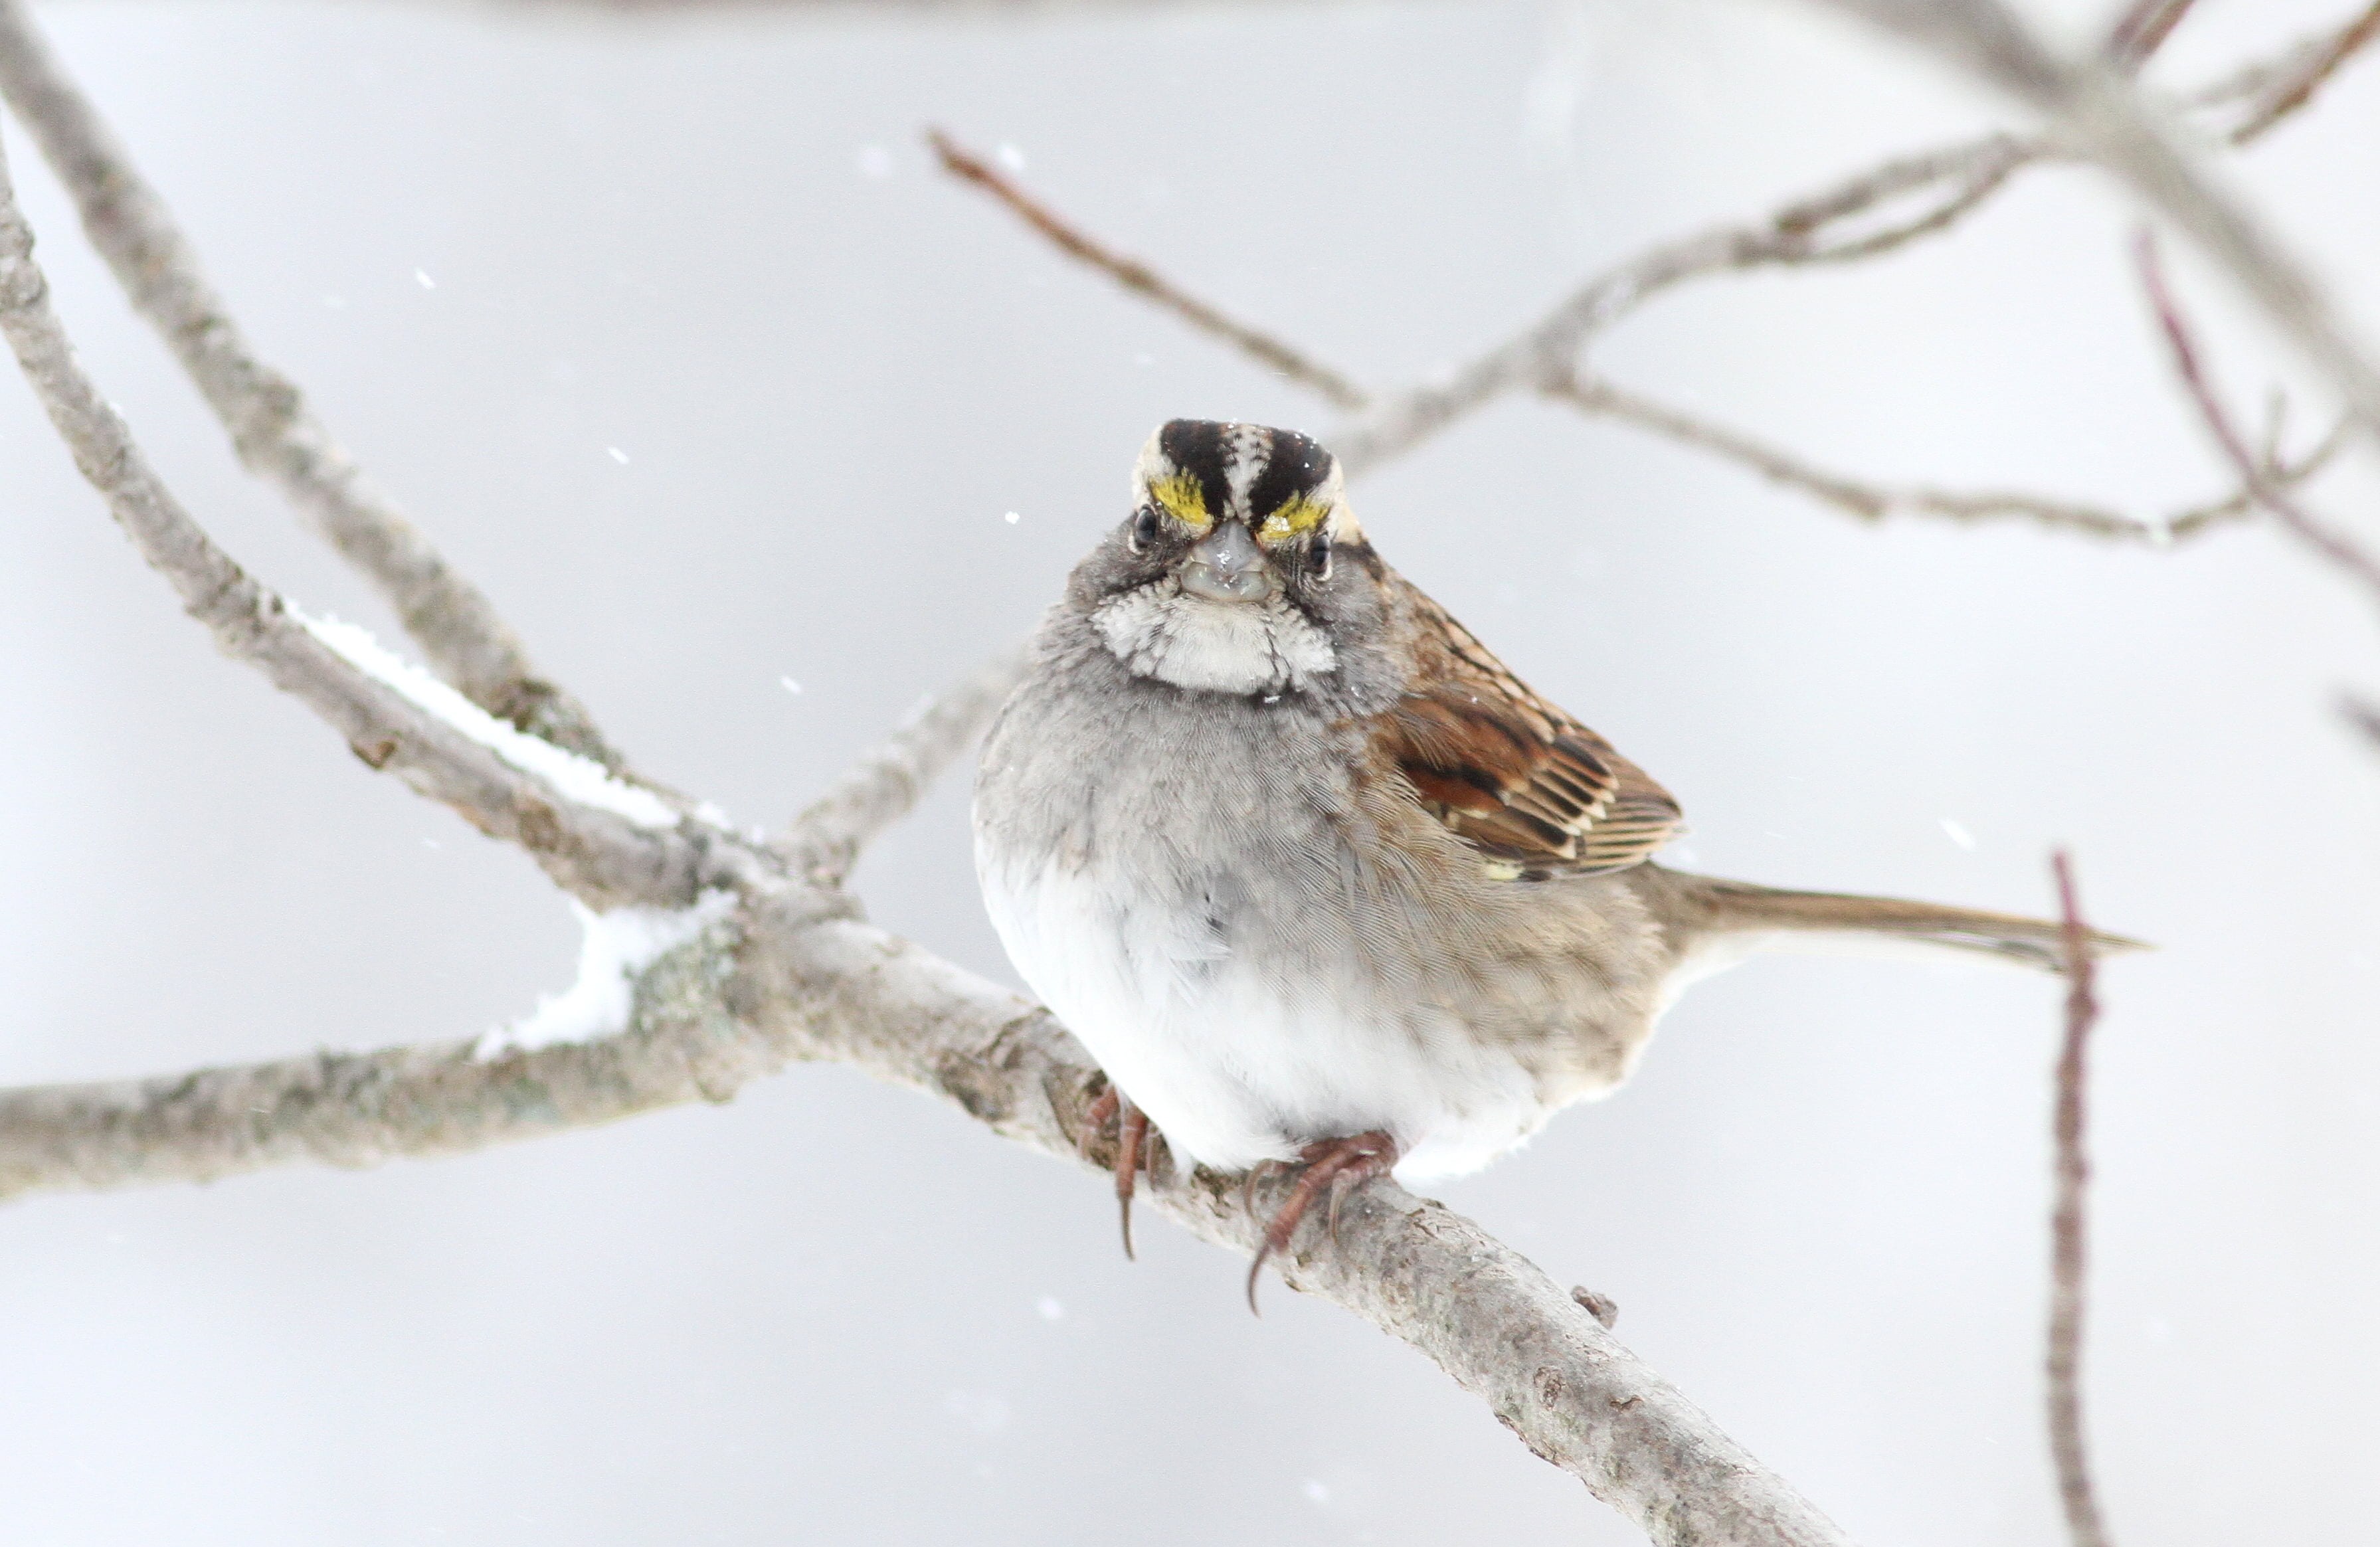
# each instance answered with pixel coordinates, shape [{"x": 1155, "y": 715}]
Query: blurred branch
[
  {"x": 2069, "y": 1230},
  {"x": 276, "y": 434},
  {"x": 2340, "y": 550},
  {"x": 825, "y": 839},
  {"x": 1873, "y": 502},
  {"x": 2292, "y": 86},
  {"x": 1142, "y": 280},
  {"x": 1805, "y": 231},
  {"x": 2142, "y": 30},
  {"x": 598, "y": 856},
  {"x": 2095, "y": 108},
  {"x": 1839, "y": 223}
]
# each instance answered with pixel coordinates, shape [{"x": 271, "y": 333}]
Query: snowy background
[{"x": 669, "y": 335}]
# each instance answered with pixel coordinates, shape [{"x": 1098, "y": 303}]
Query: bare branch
[
  {"x": 2295, "y": 86},
  {"x": 276, "y": 434},
  {"x": 2096, "y": 110},
  {"x": 2336, "y": 547},
  {"x": 1142, "y": 280},
  {"x": 1823, "y": 228},
  {"x": 2142, "y": 30},
  {"x": 1873, "y": 502},
  {"x": 600, "y": 855},
  {"x": 1819, "y": 228},
  {"x": 2069, "y": 1225},
  {"x": 2364, "y": 716},
  {"x": 781, "y": 982},
  {"x": 825, "y": 839}
]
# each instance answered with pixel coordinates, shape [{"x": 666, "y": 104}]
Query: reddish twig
[
  {"x": 2069, "y": 1225},
  {"x": 2339, "y": 550},
  {"x": 2142, "y": 30},
  {"x": 2321, "y": 60},
  {"x": 1142, "y": 280}
]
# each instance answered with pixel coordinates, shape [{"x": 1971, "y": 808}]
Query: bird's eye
[
  {"x": 1319, "y": 555},
  {"x": 1144, "y": 528}
]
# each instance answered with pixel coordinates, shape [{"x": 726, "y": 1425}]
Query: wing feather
[{"x": 1512, "y": 775}]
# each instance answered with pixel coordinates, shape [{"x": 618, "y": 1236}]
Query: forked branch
[
  {"x": 603, "y": 856},
  {"x": 2336, "y": 548},
  {"x": 2096, "y": 109},
  {"x": 274, "y": 432},
  {"x": 1876, "y": 211}
]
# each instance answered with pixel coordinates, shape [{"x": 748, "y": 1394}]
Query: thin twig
[
  {"x": 2069, "y": 1225},
  {"x": 276, "y": 434},
  {"x": 1873, "y": 502},
  {"x": 600, "y": 855},
  {"x": 1142, "y": 280},
  {"x": 2321, "y": 62},
  {"x": 2142, "y": 30},
  {"x": 2100, "y": 113},
  {"x": 881, "y": 788},
  {"x": 2342, "y": 552}
]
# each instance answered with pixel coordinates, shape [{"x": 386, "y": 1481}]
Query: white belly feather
[{"x": 1237, "y": 1065}]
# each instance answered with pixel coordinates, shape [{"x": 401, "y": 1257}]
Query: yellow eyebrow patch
[
  {"x": 1182, "y": 498},
  {"x": 1297, "y": 514}
]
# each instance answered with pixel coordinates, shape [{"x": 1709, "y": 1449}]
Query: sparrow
[{"x": 1313, "y": 875}]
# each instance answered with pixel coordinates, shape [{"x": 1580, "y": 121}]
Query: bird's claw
[{"x": 1340, "y": 1164}]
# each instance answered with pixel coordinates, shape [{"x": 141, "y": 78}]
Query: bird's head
[{"x": 1239, "y": 565}]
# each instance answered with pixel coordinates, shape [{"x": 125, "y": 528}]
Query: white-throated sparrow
[{"x": 1311, "y": 874}]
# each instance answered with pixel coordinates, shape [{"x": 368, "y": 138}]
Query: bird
[{"x": 1314, "y": 877}]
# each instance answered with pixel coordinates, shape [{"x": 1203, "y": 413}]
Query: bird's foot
[
  {"x": 1137, "y": 1146},
  {"x": 1339, "y": 1164}
]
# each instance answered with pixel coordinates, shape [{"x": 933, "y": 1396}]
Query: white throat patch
[{"x": 1220, "y": 647}]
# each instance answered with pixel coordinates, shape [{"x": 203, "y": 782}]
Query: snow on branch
[
  {"x": 598, "y": 856},
  {"x": 784, "y": 979},
  {"x": 577, "y": 779},
  {"x": 614, "y": 950},
  {"x": 274, "y": 432}
]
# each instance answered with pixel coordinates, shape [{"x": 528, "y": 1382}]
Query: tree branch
[
  {"x": 2294, "y": 85},
  {"x": 1142, "y": 280},
  {"x": 786, "y": 979},
  {"x": 2095, "y": 109},
  {"x": 1835, "y": 225},
  {"x": 1873, "y": 502},
  {"x": 605, "y": 855},
  {"x": 2069, "y": 1228},
  {"x": 276, "y": 434},
  {"x": 825, "y": 839},
  {"x": 2142, "y": 30},
  {"x": 2341, "y": 551}
]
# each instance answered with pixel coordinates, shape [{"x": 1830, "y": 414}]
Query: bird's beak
[{"x": 1227, "y": 566}]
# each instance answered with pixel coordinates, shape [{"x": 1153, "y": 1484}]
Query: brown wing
[{"x": 1518, "y": 779}]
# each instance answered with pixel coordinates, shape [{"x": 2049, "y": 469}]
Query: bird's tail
[{"x": 1714, "y": 907}]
